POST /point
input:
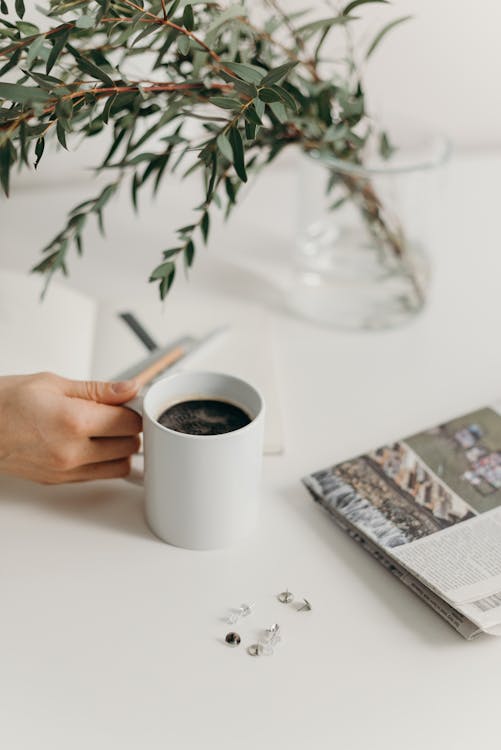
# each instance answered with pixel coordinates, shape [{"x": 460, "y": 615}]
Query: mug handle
[{"x": 136, "y": 475}]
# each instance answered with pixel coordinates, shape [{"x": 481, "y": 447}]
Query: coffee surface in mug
[{"x": 204, "y": 417}]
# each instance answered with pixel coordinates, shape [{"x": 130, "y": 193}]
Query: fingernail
[{"x": 123, "y": 386}]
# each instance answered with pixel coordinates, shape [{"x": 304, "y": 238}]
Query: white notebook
[{"x": 73, "y": 335}]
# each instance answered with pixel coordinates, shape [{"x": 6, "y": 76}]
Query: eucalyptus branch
[{"x": 251, "y": 94}]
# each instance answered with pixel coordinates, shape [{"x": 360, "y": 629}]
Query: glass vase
[{"x": 362, "y": 256}]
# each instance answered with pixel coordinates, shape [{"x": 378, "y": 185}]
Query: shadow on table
[
  {"x": 412, "y": 612},
  {"x": 113, "y": 505}
]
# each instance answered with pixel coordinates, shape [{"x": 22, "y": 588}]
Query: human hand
[{"x": 54, "y": 430}]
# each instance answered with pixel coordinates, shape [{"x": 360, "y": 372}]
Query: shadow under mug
[{"x": 201, "y": 491}]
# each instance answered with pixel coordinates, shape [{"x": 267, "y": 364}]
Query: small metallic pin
[
  {"x": 306, "y": 607},
  {"x": 243, "y": 611},
  {"x": 285, "y": 597},
  {"x": 232, "y": 639},
  {"x": 255, "y": 649},
  {"x": 271, "y": 637}
]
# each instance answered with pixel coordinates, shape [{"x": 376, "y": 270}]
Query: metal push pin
[
  {"x": 285, "y": 597},
  {"x": 267, "y": 642},
  {"x": 232, "y": 639},
  {"x": 243, "y": 611},
  {"x": 270, "y": 638},
  {"x": 255, "y": 649},
  {"x": 306, "y": 607}
]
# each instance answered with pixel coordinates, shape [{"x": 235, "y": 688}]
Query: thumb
[{"x": 103, "y": 392}]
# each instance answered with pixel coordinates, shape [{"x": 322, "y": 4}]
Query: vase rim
[{"x": 437, "y": 152}]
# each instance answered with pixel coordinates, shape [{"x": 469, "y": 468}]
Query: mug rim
[{"x": 211, "y": 373}]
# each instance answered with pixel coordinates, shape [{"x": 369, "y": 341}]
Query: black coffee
[{"x": 204, "y": 417}]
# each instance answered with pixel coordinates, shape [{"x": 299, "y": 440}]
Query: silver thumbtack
[
  {"x": 255, "y": 650},
  {"x": 243, "y": 611},
  {"x": 270, "y": 639},
  {"x": 266, "y": 643},
  {"x": 232, "y": 639},
  {"x": 285, "y": 597},
  {"x": 306, "y": 607}
]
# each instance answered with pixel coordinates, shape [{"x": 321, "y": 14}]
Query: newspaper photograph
[{"x": 432, "y": 502}]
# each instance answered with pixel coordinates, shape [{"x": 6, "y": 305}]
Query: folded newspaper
[{"x": 429, "y": 509}]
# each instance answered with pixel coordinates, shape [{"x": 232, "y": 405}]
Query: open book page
[
  {"x": 56, "y": 334},
  {"x": 245, "y": 350},
  {"x": 433, "y": 503}
]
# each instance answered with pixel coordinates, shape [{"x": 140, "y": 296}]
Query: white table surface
[{"x": 111, "y": 639}]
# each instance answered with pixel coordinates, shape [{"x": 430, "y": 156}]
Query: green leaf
[
  {"x": 212, "y": 178},
  {"x": 225, "y": 102},
  {"x": 49, "y": 83},
  {"x": 230, "y": 190},
  {"x": 172, "y": 8},
  {"x": 277, "y": 74},
  {"x": 227, "y": 15},
  {"x": 188, "y": 18},
  {"x": 107, "y": 108},
  {"x": 279, "y": 111},
  {"x": 287, "y": 98},
  {"x": 250, "y": 130},
  {"x": 11, "y": 62},
  {"x": 166, "y": 283},
  {"x": 164, "y": 273},
  {"x": 14, "y": 92},
  {"x": 189, "y": 253},
  {"x": 224, "y": 146},
  {"x": 86, "y": 66},
  {"x": 39, "y": 148},
  {"x": 252, "y": 116},
  {"x": 59, "y": 40},
  {"x": 28, "y": 29},
  {"x": 268, "y": 95},
  {"x": 183, "y": 44},
  {"x": 5, "y": 157},
  {"x": 136, "y": 182},
  {"x": 61, "y": 134},
  {"x": 386, "y": 149},
  {"x": 85, "y": 22},
  {"x": 148, "y": 29},
  {"x": 260, "y": 107},
  {"x": 104, "y": 197},
  {"x": 237, "y": 147},
  {"x": 355, "y": 3},
  {"x": 35, "y": 50},
  {"x": 249, "y": 73},
  {"x": 325, "y": 23},
  {"x": 3, "y": 7},
  {"x": 204, "y": 225},
  {"x": 383, "y": 33},
  {"x": 171, "y": 252},
  {"x": 78, "y": 243},
  {"x": 186, "y": 229},
  {"x": 114, "y": 146},
  {"x": 20, "y": 9},
  {"x": 242, "y": 87}
]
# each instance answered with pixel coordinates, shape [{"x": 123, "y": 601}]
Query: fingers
[
  {"x": 88, "y": 473},
  {"x": 103, "y": 470},
  {"x": 102, "y": 392},
  {"x": 86, "y": 418},
  {"x": 97, "y": 450}
]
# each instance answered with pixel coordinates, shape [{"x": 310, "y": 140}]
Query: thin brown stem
[
  {"x": 106, "y": 91},
  {"x": 27, "y": 40}
]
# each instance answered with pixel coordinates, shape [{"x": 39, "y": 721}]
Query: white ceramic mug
[{"x": 202, "y": 491}]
